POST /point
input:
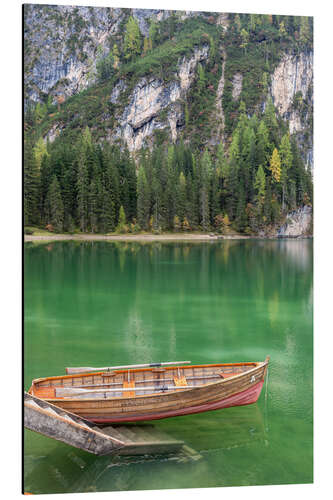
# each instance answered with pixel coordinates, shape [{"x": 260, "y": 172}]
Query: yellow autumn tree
[{"x": 275, "y": 166}]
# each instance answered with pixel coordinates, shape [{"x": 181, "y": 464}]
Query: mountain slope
[{"x": 150, "y": 78}]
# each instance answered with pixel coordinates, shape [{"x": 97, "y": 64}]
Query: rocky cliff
[
  {"x": 61, "y": 45},
  {"x": 298, "y": 223},
  {"x": 64, "y": 44},
  {"x": 292, "y": 93},
  {"x": 142, "y": 116}
]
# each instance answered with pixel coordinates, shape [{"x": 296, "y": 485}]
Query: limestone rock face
[
  {"x": 151, "y": 96},
  {"x": 144, "y": 15},
  {"x": 237, "y": 85},
  {"x": 117, "y": 90},
  {"x": 187, "y": 66},
  {"x": 293, "y": 74},
  {"x": 62, "y": 46},
  {"x": 298, "y": 223},
  {"x": 292, "y": 79}
]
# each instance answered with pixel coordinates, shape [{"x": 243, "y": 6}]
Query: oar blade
[{"x": 83, "y": 369}]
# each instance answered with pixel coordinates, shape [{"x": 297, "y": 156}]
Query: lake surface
[{"x": 109, "y": 303}]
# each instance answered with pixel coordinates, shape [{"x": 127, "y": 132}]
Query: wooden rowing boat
[{"x": 138, "y": 394}]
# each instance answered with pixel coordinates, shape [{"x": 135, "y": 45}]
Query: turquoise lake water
[{"x": 109, "y": 303}]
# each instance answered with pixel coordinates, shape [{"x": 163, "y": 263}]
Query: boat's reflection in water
[{"x": 72, "y": 470}]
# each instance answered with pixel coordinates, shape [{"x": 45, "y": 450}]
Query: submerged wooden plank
[{"x": 143, "y": 439}]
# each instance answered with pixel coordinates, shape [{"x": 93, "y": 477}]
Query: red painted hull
[{"x": 247, "y": 397}]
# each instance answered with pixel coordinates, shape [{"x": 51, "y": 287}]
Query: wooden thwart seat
[
  {"x": 228, "y": 375},
  {"x": 126, "y": 385},
  {"x": 44, "y": 392},
  {"x": 180, "y": 381}
]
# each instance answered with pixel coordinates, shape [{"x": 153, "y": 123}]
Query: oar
[
  {"x": 69, "y": 391},
  {"x": 88, "y": 369},
  {"x": 148, "y": 381}
]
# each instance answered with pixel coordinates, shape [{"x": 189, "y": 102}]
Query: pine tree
[
  {"x": 232, "y": 181},
  {"x": 214, "y": 194},
  {"x": 143, "y": 199},
  {"x": 181, "y": 200},
  {"x": 221, "y": 162},
  {"x": 132, "y": 40},
  {"x": 31, "y": 184},
  {"x": 241, "y": 216},
  {"x": 93, "y": 206},
  {"x": 187, "y": 115},
  {"x": 40, "y": 112},
  {"x": 121, "y": 227},
  {"x": 260, "y": 186},
  {"x": 282, "y": 30},
  {"x": 286, "y": 161},
  {"x": 153, "y": 33},
  {"x": 44, "y": 184},
  {"x": 205, "y": 174},
  {"x": 201, "y": 79},
  {"x": 107, "y": 218},
  {"x": 268, "y": 202},
  {"x": 238, "y": 23},
  {"x": 132, "y": 192},
  {"x": 304, "y": 33},
  {"x": 271, "y": 122},
  {"x": 115, "y": 54},
  {"x": 192, "y": 201},
  {"x": 301, "y": 178},
  {"x": 212, "y": 50},
  {"x": 263, "y": 150},
  {"x": 82, "y": 188},
  {"x": 145, "y": 46},
  {"x": 67, "y": 176},
  {"x": 87, "y": 139},
  {"x": 249, "y": 160},
  {"x": 245, "y": 39},
  {"x": 171, "y": 181},
  {"x": 253, "y": 22},
  {"x": 56, "y": 207},
  {"x": 264, "y": 82},
  {"x": 40, "y": 150}
]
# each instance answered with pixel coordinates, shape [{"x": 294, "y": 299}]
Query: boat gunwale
[
  {"x": 135, "y": 370},
  {"x": 259, "y": 364}
]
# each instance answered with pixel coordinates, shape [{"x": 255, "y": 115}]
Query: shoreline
[
  {"x": 151, "y": 237},
  {"x": 130, "y": 237}
]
